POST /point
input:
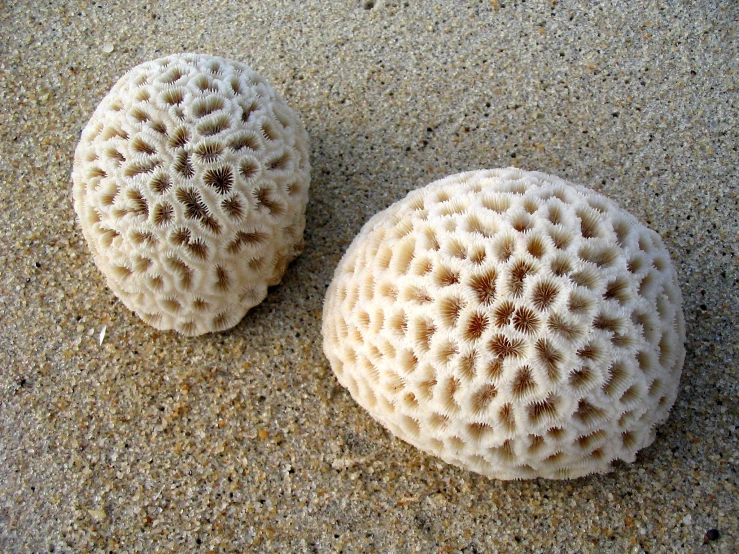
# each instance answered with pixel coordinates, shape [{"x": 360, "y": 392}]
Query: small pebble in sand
[{"x": 712, "y": 535}]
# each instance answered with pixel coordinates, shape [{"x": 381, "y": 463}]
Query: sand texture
[{"x": 244, "y": 441}]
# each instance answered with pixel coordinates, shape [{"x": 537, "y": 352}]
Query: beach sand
[{"x": 243, "y": 441}]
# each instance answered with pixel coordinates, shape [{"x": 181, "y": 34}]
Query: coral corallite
[
  {"x": 190, "y": 183},
  {"x": 511, "y": 323}
]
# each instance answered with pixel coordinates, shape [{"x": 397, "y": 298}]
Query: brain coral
[
  {"x": 190, "y": 184},
  {"x": 511, "y": 323}
]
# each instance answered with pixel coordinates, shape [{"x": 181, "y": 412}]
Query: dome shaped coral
[
  {"x": 511, "y": 323},
  {"x": 190, "y": 184}
]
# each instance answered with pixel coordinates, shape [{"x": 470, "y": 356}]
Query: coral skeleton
[
  {"x": 190, "y": 183},
  {"x": 511, "y": 323}
]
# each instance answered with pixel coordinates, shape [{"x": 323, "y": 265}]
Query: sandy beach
[{"x": 243, "y": 441}]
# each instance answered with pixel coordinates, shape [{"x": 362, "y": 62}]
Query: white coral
[
  {"x": 511, "y": 323},
  {"x": 190, "y": 183}
]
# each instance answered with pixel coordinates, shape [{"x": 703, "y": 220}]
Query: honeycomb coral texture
[
  {"x": 511, "y": 323},
  {"x": 190, "y": 184}
]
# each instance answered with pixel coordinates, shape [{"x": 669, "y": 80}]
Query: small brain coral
[
  {"x": 190, "y": 184},
  {"x": 511, "y": 323}
]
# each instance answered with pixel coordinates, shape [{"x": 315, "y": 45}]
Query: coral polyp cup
[{"x": 511, "y": 323}]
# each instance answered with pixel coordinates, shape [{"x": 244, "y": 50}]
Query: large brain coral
[
  {"x": 190, "y": 183},
  {"x": 511, "y": 323}
]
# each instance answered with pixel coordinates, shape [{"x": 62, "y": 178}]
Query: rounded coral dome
[
  {"x": 511, "y": 323},
  {"x": 190, "y": 183}
]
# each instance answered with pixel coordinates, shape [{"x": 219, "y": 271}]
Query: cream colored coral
[
  {"x": 511, "y": 323},
  {"x": 190, "y": 184}
]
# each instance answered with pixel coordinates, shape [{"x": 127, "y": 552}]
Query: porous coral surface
[
  {"x": 190, "y": 184},
  {"x": 511, "y": 323}
]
